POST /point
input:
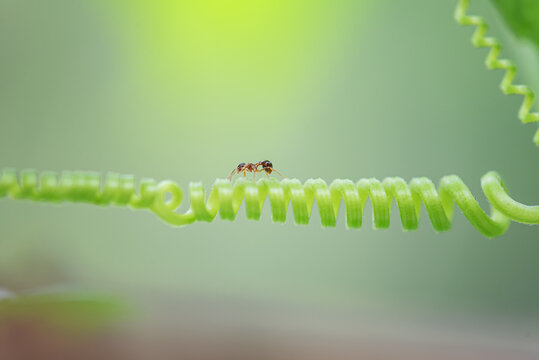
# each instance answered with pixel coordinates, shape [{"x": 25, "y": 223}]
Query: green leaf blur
[{"x": 522, "y": 17}]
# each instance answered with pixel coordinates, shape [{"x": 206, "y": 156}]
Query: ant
[{"x": 267, "y": 166}]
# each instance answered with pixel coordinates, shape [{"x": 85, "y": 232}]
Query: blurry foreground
[{"x": 204, "y": 330}]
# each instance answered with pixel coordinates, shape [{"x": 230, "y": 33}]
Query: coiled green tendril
[
  {"x": 493, "y": 62},
  {"x": 225, "y": 198}
]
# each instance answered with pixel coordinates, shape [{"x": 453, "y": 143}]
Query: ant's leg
[
  {"x": 272, "y": 169},
  {"x": 239, "y": 172},
  {"x": 262, "y": 170},
  {"x": 231, "y": 175}
]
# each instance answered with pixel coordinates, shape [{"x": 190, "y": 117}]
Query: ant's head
[{"x": 240, "y": 166}]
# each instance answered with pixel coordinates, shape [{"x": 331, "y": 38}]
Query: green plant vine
[
  {"x": 494, "y": 62},
  {"x": 225, "y": 198}
]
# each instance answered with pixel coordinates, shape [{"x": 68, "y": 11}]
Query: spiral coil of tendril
[
  {"x": 225, "y": 198},
  {"x": 493, "y": 62}
]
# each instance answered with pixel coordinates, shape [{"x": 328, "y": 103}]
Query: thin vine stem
[
  {"x": 494, "y": 62},
  {"x": 225, "y": 198}
]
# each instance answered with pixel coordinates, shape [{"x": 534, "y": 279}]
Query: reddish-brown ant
[{"x": 267, "y": 167}]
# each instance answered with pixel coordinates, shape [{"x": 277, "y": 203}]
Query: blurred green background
[{"x": 187, "y": 90}]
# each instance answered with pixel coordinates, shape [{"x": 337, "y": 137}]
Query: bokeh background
[{"x": 186, "y": 90}]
